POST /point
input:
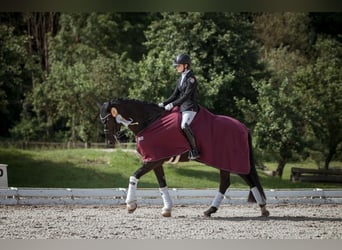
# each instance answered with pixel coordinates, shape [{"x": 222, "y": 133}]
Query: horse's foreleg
[
  {"x": 131, "y": 199},
  {"x": 166, "y": 210},
  {"x": 224, "y": 184}
]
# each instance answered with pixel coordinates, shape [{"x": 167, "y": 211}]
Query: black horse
[{"x": 138, "y": 115}]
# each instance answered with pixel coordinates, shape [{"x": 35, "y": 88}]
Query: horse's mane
[
  {"x": 133, "y": 101},
  {"x": 150, "y": 110}
]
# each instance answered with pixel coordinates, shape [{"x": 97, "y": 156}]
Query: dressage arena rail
[{"x": 110, "y": 196}]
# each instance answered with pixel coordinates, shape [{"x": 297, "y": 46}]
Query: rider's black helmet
[{"x": 182, "y": 59}]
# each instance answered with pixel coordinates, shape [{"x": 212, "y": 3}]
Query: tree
[
  {"x": 284, "y": 29},
  {"x": 319, "y": 84},
  {"x": 279, "y": 128},
  {"x": 286, "y": 42},
  {"x": 15, "y": 68},
  {"x": 223, "y": 51},
  {"x": 300, "y": 100},
  {"x": 40, "y": 25}
]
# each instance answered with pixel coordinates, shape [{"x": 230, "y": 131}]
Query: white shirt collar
[
  {"x": 183, "y": 75},
  {"x": 185, "y": 72}
]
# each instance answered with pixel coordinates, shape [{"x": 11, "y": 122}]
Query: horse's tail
[{"x": 253, "y": 173}]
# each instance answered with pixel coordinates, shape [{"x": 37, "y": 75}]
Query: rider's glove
[
  {"x": 169, "y": 106},
  {"x": 161, "y": 105}
]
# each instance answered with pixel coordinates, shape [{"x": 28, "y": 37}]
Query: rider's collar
[{"x": 185, "y": 72}]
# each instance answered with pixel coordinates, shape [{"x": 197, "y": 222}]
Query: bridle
[
  {"x": 107, "y": 132},
  {"x": 104, "y": 119}
]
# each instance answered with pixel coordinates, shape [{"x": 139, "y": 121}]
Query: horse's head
[
  {"x": 111, "y": 127},
  {"x": 134, "y": 114}
]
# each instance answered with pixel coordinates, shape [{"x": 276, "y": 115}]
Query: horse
[{"x": 139, "y": 116}]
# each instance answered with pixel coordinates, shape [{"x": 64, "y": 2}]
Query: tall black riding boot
[{"x": 193, "y": 154}]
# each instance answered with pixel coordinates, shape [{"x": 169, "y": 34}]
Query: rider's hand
[
  {"x": 169, "y": 106},
  {"x": 161, "y": 105}
]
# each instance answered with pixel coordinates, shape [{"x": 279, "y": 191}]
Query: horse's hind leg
[
  {"x": 166, "y": 210},
  {"x": 224, "y": 184},
  {"x": 256, "y": 193}
]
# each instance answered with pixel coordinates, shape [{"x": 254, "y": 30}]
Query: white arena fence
[{"x": 116, "y": 196}]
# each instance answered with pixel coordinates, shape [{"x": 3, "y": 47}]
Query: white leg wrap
[
  {"x": 217, "y": 200},
  {"x": 132, "y": 187},
  {"x": 259, "y": 199},
  {"x": 166, "y": 199}
]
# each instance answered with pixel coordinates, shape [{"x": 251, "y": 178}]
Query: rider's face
[{"x": 180, "y": 68}]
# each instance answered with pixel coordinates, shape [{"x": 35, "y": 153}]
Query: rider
[{"x": 184, "y": 97}]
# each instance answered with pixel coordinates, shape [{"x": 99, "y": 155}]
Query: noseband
[{"x": 103, "y": 119}]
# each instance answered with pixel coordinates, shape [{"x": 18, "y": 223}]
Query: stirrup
[{"x": 193, "y": 154}]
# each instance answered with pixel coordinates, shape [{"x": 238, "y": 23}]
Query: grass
[{"x": 94, "y": 168}]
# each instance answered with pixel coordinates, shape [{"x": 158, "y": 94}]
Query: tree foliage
[
  {"x": 84, "y": 67},
  {"x": 320, "y": 86},
  {"x": 283, "y": 115},
  {"x": 284, "y": 29},
  {"x": 224, "y": 57},
  {"x": 15, "y": 68},
  {"x": 278, "y": 125}
]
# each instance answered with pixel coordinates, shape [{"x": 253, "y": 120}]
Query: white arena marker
[{"x": 3, "y": 175}]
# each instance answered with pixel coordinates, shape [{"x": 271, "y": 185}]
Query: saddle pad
[{"x": 221, "y": 140}]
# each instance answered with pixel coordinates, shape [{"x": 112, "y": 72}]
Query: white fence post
[{"x": 3, "y": 175}]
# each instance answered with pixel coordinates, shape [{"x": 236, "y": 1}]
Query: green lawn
[{"x": 95, "y": 168}]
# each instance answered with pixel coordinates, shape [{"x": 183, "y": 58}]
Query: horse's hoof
[
  {"x": 131, "y": 207},
  {"x": 265, "y": 213},
  {"x": 210, "y": 211},
  {"x": 166, "y": 213}
]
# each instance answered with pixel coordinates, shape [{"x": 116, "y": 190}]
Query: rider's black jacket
[{"x": 184, "y": 94}]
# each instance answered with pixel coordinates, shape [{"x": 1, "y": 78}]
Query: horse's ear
[{"x": 114, "y": 112}]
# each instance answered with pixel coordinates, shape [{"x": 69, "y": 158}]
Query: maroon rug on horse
[{"x": 221, "y": 140}]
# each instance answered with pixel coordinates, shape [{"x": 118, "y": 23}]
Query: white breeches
[{"x": 187, "y": 117}]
